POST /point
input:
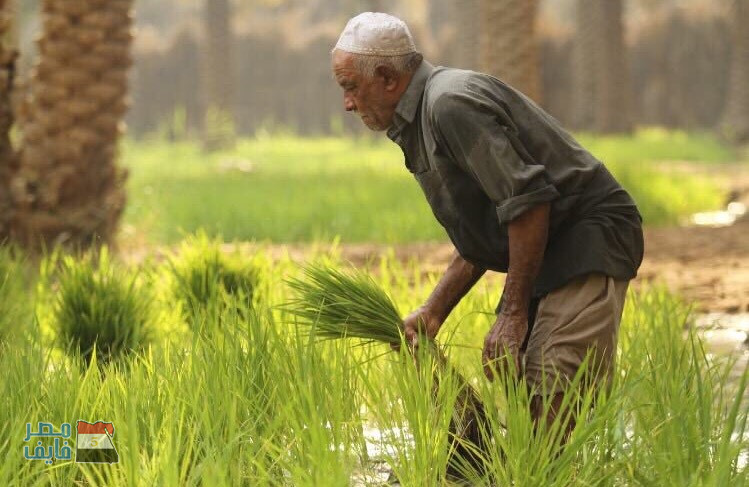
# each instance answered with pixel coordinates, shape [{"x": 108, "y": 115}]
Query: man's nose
[{"x": 348, "y": 104}]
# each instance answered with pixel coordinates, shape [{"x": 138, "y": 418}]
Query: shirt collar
[{"x": 409, "y": 102}]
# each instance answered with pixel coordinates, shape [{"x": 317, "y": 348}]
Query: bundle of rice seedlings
[
  {"x": 204, "y": 277},
  {"x": 339, "y": 305},
  {"x": 101, "y": 310}
]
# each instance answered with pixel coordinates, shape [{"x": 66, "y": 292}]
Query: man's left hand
[{"x": 505, "y": 337}]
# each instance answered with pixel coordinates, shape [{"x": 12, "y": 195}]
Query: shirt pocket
[{"x": 416, "y": 165}]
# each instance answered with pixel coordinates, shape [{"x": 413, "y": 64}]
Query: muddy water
[{"x": 726, "y": 336}]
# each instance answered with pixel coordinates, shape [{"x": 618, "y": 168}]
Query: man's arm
[
  {"x": 528, "y": 234},
  {"x": 457, "y": 280}
]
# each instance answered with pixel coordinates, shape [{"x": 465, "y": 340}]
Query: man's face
[{"x": 373, "y": 99}]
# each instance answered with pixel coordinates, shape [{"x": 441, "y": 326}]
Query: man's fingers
[
  {"x": 497, "y": 361},
  {"x": 412, "y": 337}
]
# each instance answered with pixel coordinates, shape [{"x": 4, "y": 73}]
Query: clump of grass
[
  {"x": 339, "y": 305},
  {"x": 205, "y": 278},
  {"x": 101, "y": 310}
]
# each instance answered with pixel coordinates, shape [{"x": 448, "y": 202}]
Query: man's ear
[{"x": 389, "y": 76}]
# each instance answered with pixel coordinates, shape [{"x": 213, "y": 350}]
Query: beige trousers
[{"x": 584, "y": 314}]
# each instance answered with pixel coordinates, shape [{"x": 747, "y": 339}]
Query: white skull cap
[{"x": 376, "y": 34}]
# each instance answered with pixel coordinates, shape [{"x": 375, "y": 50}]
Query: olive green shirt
[{"x": 484, "y": 153}]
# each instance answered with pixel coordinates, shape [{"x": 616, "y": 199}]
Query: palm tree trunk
[
  {"x": 71, "y": 190},
  {"x": 219, "y": 75},
  {"x": 375, "y": 5},
  {"x": 601, "y": 91},
  {"x": 509, "y": 47},
  {"x": 467, "y": 34},
  {"x": 8, "y": 160},
  {"x": 735, "y": 124},
  {"x": 584, "y": 67},
  {"x": 421, "y": 28}
]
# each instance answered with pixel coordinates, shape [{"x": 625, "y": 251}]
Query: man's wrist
[
  {"x": 437, "y": 311},
  {"x": 518, "y": 321},
  {"x": 514, "y": 313}
]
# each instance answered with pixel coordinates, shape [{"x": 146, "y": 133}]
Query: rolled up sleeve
[{"x": 473, "y": 130}]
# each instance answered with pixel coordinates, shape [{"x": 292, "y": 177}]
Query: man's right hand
[{"x": 423, "y": 322}]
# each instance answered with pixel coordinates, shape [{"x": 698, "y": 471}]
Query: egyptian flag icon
[{"x": 94, "y": 443}]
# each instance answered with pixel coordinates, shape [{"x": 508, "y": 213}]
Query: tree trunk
[
  {"x": 219, "y": 76},
  {"x": 601, "y": 78},
  {"x": 736, "y": 113},
  {"x": 8, "y": 158},
  {"x": 68, "y": 188},
  {"x": 420, "y": 28},
  {"x": 509, "y": 47},
  {"x": 584, "y": 68},
  {"x": 375, "y": 5},
  {"x": 467, "y": 34}
]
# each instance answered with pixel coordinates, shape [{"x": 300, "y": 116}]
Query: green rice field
[
  {"x": 216, "y": 367},
  {"x": 289, "y": 189},
  {"x": 212, "y": 380}
]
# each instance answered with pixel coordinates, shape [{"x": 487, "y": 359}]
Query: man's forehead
[
  {"x": 342, "y": 59},
  {"x": 343, "y": 64}
]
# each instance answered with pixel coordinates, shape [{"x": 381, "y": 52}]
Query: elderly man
[{"x": 515, "y": 194}]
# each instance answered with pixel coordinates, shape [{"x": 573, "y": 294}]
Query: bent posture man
[{"x": 515, "y": 193}]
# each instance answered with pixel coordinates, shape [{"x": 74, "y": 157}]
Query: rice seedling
[
  {"x": 272, "y": 397},
  {"x": 205, "y": 279},
  {"x": 314, "y": 189},
  {"x": 14, "y": 302},
  {"x": 101, "y": 310},
  {"x": 340, "y": 305}
]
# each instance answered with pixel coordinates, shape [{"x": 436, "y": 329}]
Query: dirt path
[{"x": 707, "y": 265}]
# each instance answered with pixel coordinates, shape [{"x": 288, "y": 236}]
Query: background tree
[
  {"x": 466, "y": 37},
  {"x": 375, "y": 5},
  {"x": 509, "y": 48},
  {"x": 69, "y": 189},
  {"x": 219, "y": 75},
  {"x": 601, "y": 77},
  {"x": 7, "y": 153},
  {"x": 736, "y": 114}
]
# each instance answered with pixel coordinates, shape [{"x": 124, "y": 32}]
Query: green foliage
[
  {"x": 668, "y": 198},
  {"x": 290, "y": 189},
  {"x": 339, "y": 305},
  {"x": 101, "y": 310},
  {"x": 14, "y": 301},
  {"x": 205, "y": 278},
  {"x": 261, "y": 402},
  {"x": 655, "y": 145},
  {"x": 344, "y": 305}
]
